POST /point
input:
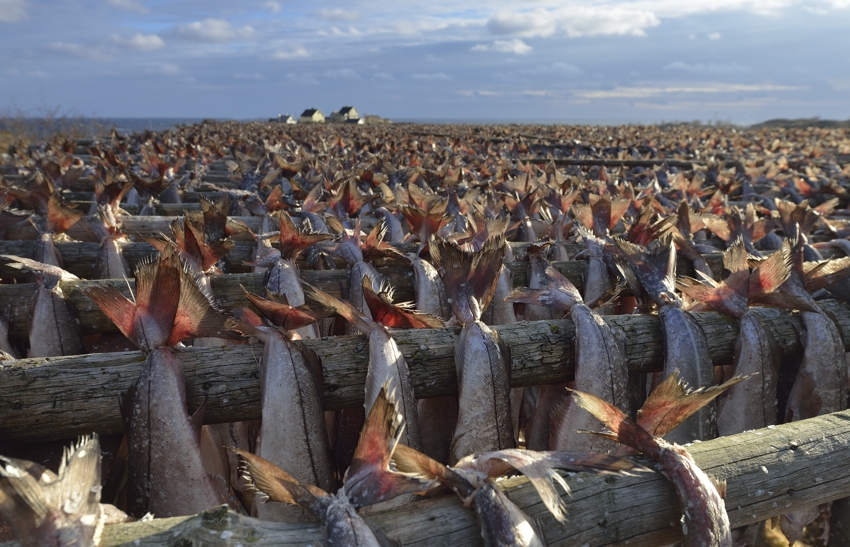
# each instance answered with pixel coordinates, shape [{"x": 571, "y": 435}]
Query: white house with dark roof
[{"x": 312, "y": 115}]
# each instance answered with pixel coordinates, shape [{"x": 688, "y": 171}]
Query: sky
[{"x": 739, "y": 61}]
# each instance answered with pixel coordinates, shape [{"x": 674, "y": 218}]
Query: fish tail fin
[
  {"x": 283, "y": 315},
  {"x": 49, "y": 274},
  {"x": 395, "y": 315},
  {"x": 215, "y": 217},
  {"x": 469, "y": 274},
  {"x": 278, "y": 485},
  {"x": 783, "y": 266},
  {"x": 196, "y": 314},
  {"x": 60, "y": 215},
  {"x": 623, "y": 429},
  {"x": 524, "y": 295},
  {"x": 654, "y": 268},
  {"x": 115, "y": 306},
  {"x": 369, "y": 479},
  {"x": 292, "y": 240},
  {"x": 671, "y": 403},
  {"x": 247, "y": 323},
  {"x": 344, "y": 309}
]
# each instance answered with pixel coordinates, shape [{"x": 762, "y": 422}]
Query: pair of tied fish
[{"x": 383, "y": 469}]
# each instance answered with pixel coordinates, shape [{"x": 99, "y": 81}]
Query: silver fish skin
[
  {"x": 597, "y": 280},
  {"x": 111, "y": 263},
  {"x": 484, "y": 410},
  {"x": 705, "y": 522},
  {"x": 686, "y": 349},
  {"x": 53, "y": 329},
  {"x": 166, "y": 472},
  {"x": 387, "y": 367},
  {"x": 500, "y": 312},
  {"x": 284, "y": 278},
  {"x": 536, "y": 280},
  {"x": 502, "y": 523},
  {"x": 344, "y": 527},
  {"x": 821, "y": 383},
  {"x": 355, "y": 285},
  {"x": 429, "y": 289},
  {"x": 600, "y": 370},
  {"x": 751, "y": 404},
  {"x": 395, "y": 233},
  {"x": 45, "y": 251},
  {"x": 292, "y": 434}
]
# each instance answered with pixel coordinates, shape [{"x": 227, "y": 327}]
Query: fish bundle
[
  {"x": 704, "y": 522},
  {"x": 166, "y": 472},
  {"x": 483, "y": 363},
  {"x": 371, "y": 479},
  {"x": 600, "y": 364},
  {"x": 292, "y": 434}
]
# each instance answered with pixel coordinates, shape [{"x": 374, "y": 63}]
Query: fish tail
[
  {"x": 369, "y": 480},
  {"x": 395, "y": 315},
  {"x": 215, "y": 217},
  {"x": 280, "y": 313},
  {"x": 623, "y": 429},
  {"x": 346, "y": 310},
  {"x": 60, "y": 215},
  {"x": 654, "y": 268},
  {"x": 278, "y": 485},
  {"x": 469, "y": 274},
  {"x": 292, "y": 240}
]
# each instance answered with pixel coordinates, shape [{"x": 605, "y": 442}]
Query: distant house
[
  {"x": 346, "y": 114},
  {"x": 284, "y": 118},
  {"x": 312, "y": 115}
]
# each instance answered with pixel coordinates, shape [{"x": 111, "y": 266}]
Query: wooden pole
[
  {"x": 60, "y": 397},
  {"x": 768, "y": 472}
]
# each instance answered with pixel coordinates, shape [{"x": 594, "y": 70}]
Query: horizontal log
[
  {"x": 57, "y": 398},
  {"x": 17, "y": 298},
  {"x": 655, "y": 162},
  {"x": 768, "y": 472}
]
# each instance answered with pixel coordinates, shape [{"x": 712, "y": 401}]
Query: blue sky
[{"x": 644, "y": 60}]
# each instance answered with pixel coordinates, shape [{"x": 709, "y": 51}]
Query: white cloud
[
  {"x": 129, "y": 5},
  {"x": 12, "y": 11},
  {"x": 252, "y": 76},
  {"x": 438, "y": 76},
  {"x": 301, "y": 78},
  {"x": 383, "y": 76},
  {"x": 574, "y": 21},
  {"x": 714, "y": 36},
  {"x": 296, "y": 53},
  {"x": 140, "y": 42},
  {"x": 515, "y": 46},
  {"x": 214, "y": 30},
  {"x": 559, "y": 68},
  {"x": 710, "y": 68},
  {"x": 636, "y": 92},
  {"x": 169, "y": 69},
  {"x": 342, "y": 74},
  {"x": 338, "y": 15},
  {"x": 433, "y": 58},
  {"x": 272, "y": 6}
]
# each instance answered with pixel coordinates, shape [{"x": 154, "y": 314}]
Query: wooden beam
[
  {"x": 60, "y": 397},
  {"x": 768, "y": 472}
]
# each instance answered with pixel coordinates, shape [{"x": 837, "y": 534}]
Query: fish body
[
  {"x": 484, "y": 411},
  {"x": 111, "y": 263},
  {"x": 292, "y": 434},
  {"x": 686, "y": 349},
  {"x": 500, "y": 312},
  {"x": 53, "y": 329},
  {"x": 359, "y": 270},
  {"x": 600, "y": 370},
  {"x": 345, "y": 528},
  {"x": 752, "y": 403},
  {"x": 429, "y": 289},
  {"x": 597, "y": 281},
  {"x": 166, "y": 472},
  {"x": 502, "y": 523},
  {"x": 284, "y": 279}
]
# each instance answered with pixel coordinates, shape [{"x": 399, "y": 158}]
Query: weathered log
[
  {"x": 605, "y": 162},
  {"x": 15, "y": 300},
  {"x": 767, "y": 472},
  {"x": 59, "y": 397}
]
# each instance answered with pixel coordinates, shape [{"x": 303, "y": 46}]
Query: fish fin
[
  {"x": 196, "y": 420},
  {"x": 195, "y": 315},
  {"x": 22, "y": 498},
  {"x": 345, "y": 309},
  {"x": 413, "y": 462},
  {"x": 79, "y": 474},
  {"x": 374, "y": 245},
  {"x": 158, "y": 241},
  {"x": 50, "y": 274},
  {"x": 274, "y": 482},
  {"x": 770, "y": 274},
  {"x": 822, "y": 274},
  {"x": 524, "y": 295},
  {"x": 284, "y": 315},
  {"x": 292, "y": 240},
  {"x": 670, "y": 403},
  {"x": 719, "y": 485},
  {"x": 654, "y": 268},
  {"x": 466, "y": 274},
  {"x": 114, "y": 305},
  {"x": 393, "y": 315},
  {"x": 369, "y": 479},
  {"x": 60, "y": 215},
  {"x": 623, "y": 429},
  {"x": 583, "y": 214},
  {"x": 215, "y": 217}
]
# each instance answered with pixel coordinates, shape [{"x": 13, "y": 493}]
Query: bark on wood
[
  {"x": 60, "y": 397},
  {"x": 767, "y": 472}
]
